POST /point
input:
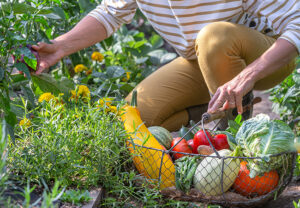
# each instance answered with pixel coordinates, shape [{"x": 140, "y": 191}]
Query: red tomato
[
  {"x": 191, "y": 144},
  {"x": 182, "y": 146},
  {"x": 200, "y": 139},
  {"x": 220, "y": 141}
]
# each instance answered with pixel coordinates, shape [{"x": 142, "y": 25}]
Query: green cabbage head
[{"x": 262, "y": 137}]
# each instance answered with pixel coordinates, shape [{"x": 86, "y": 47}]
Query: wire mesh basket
[{"x": 227, "y": 185}]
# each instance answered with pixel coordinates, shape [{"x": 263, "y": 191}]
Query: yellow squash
[{"x": 147, "y": 161}]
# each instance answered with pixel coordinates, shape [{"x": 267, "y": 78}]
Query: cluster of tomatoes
[{"x": 219, "y": 141}]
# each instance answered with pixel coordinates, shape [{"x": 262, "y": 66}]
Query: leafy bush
[
  {"x": 77, "y": 143},
  {"x": 286, "y": 98}
]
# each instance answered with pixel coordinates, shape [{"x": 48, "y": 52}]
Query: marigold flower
[
  {"x": 46, "y": 96},
  {"x": 125, "y": 79},
  {"x": 97, "y": 56},
  {"x": 25, "y": 122},
  {"x": 104, "y": 102},
  {"x": 82, "y": 91},
  {"x": 79, "y": 68},
  {"x": 113, "y": 109}
]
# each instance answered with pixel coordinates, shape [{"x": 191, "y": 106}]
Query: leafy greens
[{"x": 262, "y": 137}]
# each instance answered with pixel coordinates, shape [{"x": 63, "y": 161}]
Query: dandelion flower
[
  {"x": 79, "y": 68},
  {"x": 97, "y": 56},
  {"x": 46, "y": 96},
  {"x": 25, "y": 122}
]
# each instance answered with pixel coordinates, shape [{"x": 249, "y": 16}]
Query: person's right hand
[{"x": 49, "y": 54}]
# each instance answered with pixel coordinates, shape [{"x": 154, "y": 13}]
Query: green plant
[
  {"x": 76, "y": 197},
  {"x": 296, "y": 205},
  {"x": 286, "y": 101},
  {"x": 49, "y": 198},
  {"x": 71, "y": 142},
  {"x": 3, "y": 156}
]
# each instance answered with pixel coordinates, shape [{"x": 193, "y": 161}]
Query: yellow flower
[
  {"x": 97, "y": 56},
  {"x": 104, "y": 102},
  {"x": 79, "y": 68},
  {"x": 82, "y": 91},
  {"x": 125, "y": 79},
  {"x": 46, "y": 96},
  {"x": 25, "y": 122},
  {"x": 113, "y": 109}
]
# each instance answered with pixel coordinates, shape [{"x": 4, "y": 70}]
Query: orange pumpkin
[{"x": 259, "y": 185}]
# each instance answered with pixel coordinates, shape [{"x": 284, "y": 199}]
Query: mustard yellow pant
[{"x": 223, "y": 50}]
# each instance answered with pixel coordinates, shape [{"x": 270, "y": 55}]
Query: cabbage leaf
[{"x": 262, "y": 137}]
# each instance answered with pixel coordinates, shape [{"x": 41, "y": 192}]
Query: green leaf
[
  {"x": 28, "y": 94},
  {"x": 11, "y": 118},
  {"x": 114, "y": 71},
  {"x": 127, "y": 87},
  {"x": 86, "y": 5},
  {"x": 52, "y": 16},
  {"x": 60, "y": 12},
  {"x": 167, "y": 58},
  {"x": 238, "y": 119},
  {"x": 48, "y": 84},
  {"x": 139, "y": 43},
  {"x": 156, "y": 55},
  {"x": 1, "y": 73},
  {"x": 140, "y": 60},
  {"x": 32, "y": 63},
  {"x": 22, "y": 67},
  {"x": 4, "y": 103},
  {"x": 22, "y": 8},
  {"x": 156, "y": 41}
]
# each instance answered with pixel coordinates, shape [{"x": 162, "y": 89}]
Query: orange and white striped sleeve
[
  {"x": 283, "y": 16},
  {"x": 113, "y": 13}
]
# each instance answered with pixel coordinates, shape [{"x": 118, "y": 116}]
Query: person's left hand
[{"x": 230, "y": 95}]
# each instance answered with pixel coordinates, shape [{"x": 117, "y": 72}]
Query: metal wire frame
[{"x": 285, "y": 177}]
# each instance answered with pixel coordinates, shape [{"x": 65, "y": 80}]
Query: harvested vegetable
[
  {"x": 207, "y": 178},
  {"x": 220, "y": 142},
  {"x": 182, "y": 146},
  {"x": 259, "y": 185},
  {"x": 191, "y": 144},
  {"x": 205, "y": 150},
  {"x": 162, "y": 135},
  {"x": 147, "y": 161},
  {"x": 200, "y": 139},
  {"x": 183, "y": 130},
  {"x": 261, "y": 137},
  {"x": 185, "y": 168}
]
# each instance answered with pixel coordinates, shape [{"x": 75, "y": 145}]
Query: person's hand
[
  {"x": 49, "y": 55},
  {"x": 230, "y": 95}
]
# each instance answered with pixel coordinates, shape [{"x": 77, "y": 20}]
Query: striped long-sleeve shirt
[{"x": 179, "y": 21}]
